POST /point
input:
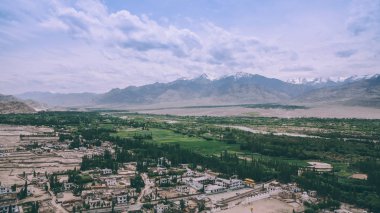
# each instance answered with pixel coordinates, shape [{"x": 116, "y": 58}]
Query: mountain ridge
[
  {"x": 238, "y": 88},
  {"x": 10, "y": 104}
]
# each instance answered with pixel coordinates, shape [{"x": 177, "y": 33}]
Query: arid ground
[{"x": 318, "y": 111}]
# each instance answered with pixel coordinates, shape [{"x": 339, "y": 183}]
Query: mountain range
[
  {"x": 10, "y": 104},
  {"x": 237, "y": 89}
]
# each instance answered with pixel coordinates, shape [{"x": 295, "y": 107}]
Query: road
[
  {"x": 58, "y": 206},
  {"x": 148, "y": 185}
]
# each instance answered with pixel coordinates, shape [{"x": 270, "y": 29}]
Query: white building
[
  {"x": 161, "y": 208},
  {"x": 236, "y": 184},
  {"x": 211, "y": 189},
  {"x": 122, "y": 198},
  {"x": 106, "y": 171},
  {"x": 5, "y": 190},
  {"x": 230, "y": 184},
  {"x": 189, "y": 173},
  {"x": 182, "y": 189},
  {"x": 68, "y": 186},
  {"x": 192, "y": 183},
  {"x": 5, "y": 208},
  {"x": 204, "y": 179},
  {"x": 110, "y": 181}
]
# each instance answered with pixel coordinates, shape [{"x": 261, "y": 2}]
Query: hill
[{"x": 10, "y": 104}]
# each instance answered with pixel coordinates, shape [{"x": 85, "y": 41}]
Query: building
[
  {"x": 122, "y": 198},
  {"x": 8, "y": 201},
  {"x": 212, "y": 189},
  {"x": 312, "y": 193},
  {"x": 4, "y": 207},
  {"x": 205, "y": 180},
  {"x": 182, "y": 189},
  {"x": 194, "y": 184},
  {"x": 106, "y": 171},
  {"x": 68, "y": 186},
  {"x": 189, "y": 173},
  {"x": 318, "y": 167},
  {"x": 230, "y": 184},
  {"x": 222, "y": 182},
  {"x": 249, "y": 182},
  {"x": 164, "y": 180},
  {"x": 110, "y": 181},
  {"x": 5, "y": 190},
  {"x": 161, "y": 208},
  {"x": 236, "y": 184}
]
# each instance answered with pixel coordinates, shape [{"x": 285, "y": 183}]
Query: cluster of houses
[
  {"x": 8, "y": 199},
  {"x": 169, "y": 187}
]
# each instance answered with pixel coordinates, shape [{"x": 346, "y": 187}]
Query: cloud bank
[{"x": 77, "y": 46}]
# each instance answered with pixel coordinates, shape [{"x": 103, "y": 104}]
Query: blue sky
[{"x": 94, "y": 46}]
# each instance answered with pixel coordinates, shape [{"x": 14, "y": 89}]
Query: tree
[
  {"x": 10, "y": 209},
  {"x": 35, "y": 207},
  {"x": 182, "y": 204},
  {"x": 23, "y": 192},
  {"x": 201, "y": 206},
  {"x": 14, "y": 187},
  {"x": 137, "y": 183},
  {"x": 113, "y": 206}
]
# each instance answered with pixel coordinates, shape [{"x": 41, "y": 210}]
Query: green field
[
  {"x": 200, "y": 145},
  {"x": 207, "y": 147}
]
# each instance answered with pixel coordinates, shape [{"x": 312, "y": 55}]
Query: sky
[{"x": 93, "y": 45}]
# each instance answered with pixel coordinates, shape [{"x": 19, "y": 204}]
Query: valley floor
[{"x": 325, "y": 111}]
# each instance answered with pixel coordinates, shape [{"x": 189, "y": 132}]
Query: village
[{"x": 41, "y": 174}]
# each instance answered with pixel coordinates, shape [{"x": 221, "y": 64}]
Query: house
[
  {"x": 205, "y": 179},
  {"x": 122, "y": 198},
  {"x": 5, "y": 190},
  {"x": 249, "y": 182},
  {"x": 4, "y": 207},
  {"x": 161, "y": 208},
  {"x": 68, "y": 186},
  {"x": 236, "y": 184},
  {"x": 222, "y": 182},
  {"x": 318, "y": 167},
  {"x": 342, "y": 211},
  {"x": 106, "y": 171},
  {"x": 95, "y": 203},
  {"x": 182, "y": 189},
  {"x": 194, "y": 184},
  {"x": 189, "y": 173},
  {"x": 110, "y": 181},
  {"x": 312, "y": 193},
  {"x": 164, "y": 180},
  {"x": 7, "y": 201},
  {"x": 231, "y": 183},
  {"x": 211, "y": 189},
  {"x": 162, "y": 162},
  {"x": 161, "y": 171},
  {"x": 132, "y": 192}
]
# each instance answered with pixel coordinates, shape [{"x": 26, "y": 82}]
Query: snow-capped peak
[
  {"x": 321, "y": 80},
  {"x": 242, "y": 75},
  {"x": 204, "y": 76}
]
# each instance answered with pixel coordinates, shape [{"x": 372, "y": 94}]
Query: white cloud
[{"x": 82, "y": 46}]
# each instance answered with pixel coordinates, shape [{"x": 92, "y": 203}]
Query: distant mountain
[
  {"x": 10, "y": 104},
  {"x": 240, "y": 88},
  {"x": 363, "y": 92},
  {"x": 59, "y": 99},
  {"x": 233, "y": 89},
  {"x": 328, "y": 82}
]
